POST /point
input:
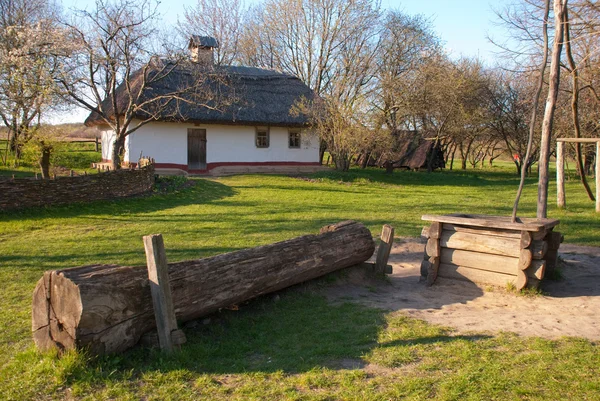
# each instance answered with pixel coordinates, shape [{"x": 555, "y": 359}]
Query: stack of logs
[{"x": 489, "y": 250}]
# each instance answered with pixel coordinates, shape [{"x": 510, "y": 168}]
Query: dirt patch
[{"x": 567, "y": 307}]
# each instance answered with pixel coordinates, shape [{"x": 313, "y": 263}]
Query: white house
[{"x": 255, "y": 133}]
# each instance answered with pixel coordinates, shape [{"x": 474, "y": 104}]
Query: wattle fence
[{"x": 20, "y": 193}]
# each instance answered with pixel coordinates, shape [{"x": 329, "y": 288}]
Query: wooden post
[
  {"x": 560, "y": 175},
  {"x": 71, "y": 173},
  {"x": 598, "y": 177},
  {"x": 385, "y": 247},
  {"x": 97, "y": 144},
  {"x": 554, "y": 240},
  {"x": 433, "y": 250},
  {"x": 166, "y": 323},
  {"x": 525, "y": 258}
]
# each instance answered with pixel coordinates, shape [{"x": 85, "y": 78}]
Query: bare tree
[
  {"x": 407, "y": 44},
  {"x": 575, "y": 92},
  {"x": 221, "y": 19},
  {"x": 121, "y": 79},
  {"x": 330, "y": 45},
  {"x": 554, "y": 82},
  {"x": 513, "y": 99}
]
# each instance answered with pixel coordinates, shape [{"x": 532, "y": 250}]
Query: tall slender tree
[{"x": 554, "y": 83}]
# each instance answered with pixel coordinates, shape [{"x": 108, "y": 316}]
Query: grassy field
[
  {"x": 67, "y": 156},
  {"x": 300, "y": 348}
]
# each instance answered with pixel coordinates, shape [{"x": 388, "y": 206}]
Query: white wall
[
  {"x": 108, "y": 139},
  {"x": 167, "y": 143}
]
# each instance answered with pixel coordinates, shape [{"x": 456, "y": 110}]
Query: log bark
[
  {"x": 107, "y": 308},
  {"x": 492, "y": 263},
  {"x": 481, "y": 231},
  {"x": 493, "y": 245},
  {"x": 475, "y": 275}
]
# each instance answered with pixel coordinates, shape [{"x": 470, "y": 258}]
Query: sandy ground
[{"x": 569, "y": 307}]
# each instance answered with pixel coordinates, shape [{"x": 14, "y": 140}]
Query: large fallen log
[{"x": 107, "y": 308}]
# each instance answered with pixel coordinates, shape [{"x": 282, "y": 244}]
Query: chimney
[{"x": 201, "y": 49}]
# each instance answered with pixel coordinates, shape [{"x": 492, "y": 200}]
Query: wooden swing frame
[{"x": 560, "y": 169}]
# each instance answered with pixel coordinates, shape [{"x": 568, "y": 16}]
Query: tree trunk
[
  {"x": 365, "y": 161},
  {"x": 389, "y": 167},
  {"x": 108, "y": 308},
  {"x": 117, "y": 150},
  {"x": 341, "y": 161},
  {"x": 16, "y": 146},
  {"x": 575, "y": 105},
  {"x": 432, "y": 154},
  {"x": 322, "y": 149},
  {"x": 554, "y": 81},
  {"x": 536, "y": 101},
  {"x": 519, "y": 165},
  {"x": 589, "y": 162},
  {"x": 452, "y": 159},
  {"x": 44, "y": 161}
]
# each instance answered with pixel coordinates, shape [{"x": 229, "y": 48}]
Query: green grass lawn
[
  {"x": 300, "y": 348},
  {"x": 67, "y": 156}
]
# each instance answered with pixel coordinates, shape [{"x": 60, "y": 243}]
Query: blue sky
[{"x": 462, "y": 25}]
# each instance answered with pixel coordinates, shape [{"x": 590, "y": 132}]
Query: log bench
[
  {"x": 490, "y": 249},
  {"x": 108, "y": 308}
]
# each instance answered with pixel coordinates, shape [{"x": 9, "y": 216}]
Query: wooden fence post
[
  {"x": 560, "y": 175},
  {"x": 166, "y": 323},
  {"x": 433, "y": 252},
  {"x": 385, "y": 247},
  {"x": 97, "y": 144}
]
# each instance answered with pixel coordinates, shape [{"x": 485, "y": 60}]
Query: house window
[
  {"x": 262, "y": 137},
  {"x": 294, "y": 140}
]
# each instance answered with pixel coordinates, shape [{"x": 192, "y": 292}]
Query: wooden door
[{"x": 196, "y": 149}]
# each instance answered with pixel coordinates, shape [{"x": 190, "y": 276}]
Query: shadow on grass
[
  {"x": 437, "y": 339},
  {"x": 6, "y": 174},
  {"x": 203, "y": 192},
  {"x": 64, "y": 261},
  {"x": 437, "y": 178},
  {"x": 295, "y": 332}
]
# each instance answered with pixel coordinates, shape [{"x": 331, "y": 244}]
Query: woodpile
[
  {"x": 107, "y": 308},
  {"x": 490, "y": 249}
]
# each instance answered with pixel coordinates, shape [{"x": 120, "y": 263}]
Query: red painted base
[{"x": 211, "y": 166}]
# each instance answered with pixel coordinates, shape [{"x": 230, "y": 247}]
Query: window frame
[
  {"x": 267, "y": 137},
  {"x": 294, "y": 132}
]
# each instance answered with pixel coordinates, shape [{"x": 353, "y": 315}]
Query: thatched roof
[
  {"x": 239, "y": 95},
  {"x": 413, "y": 151}
]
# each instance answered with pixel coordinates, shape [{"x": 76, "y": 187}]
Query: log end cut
[{"x": 56, "y": 312}]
